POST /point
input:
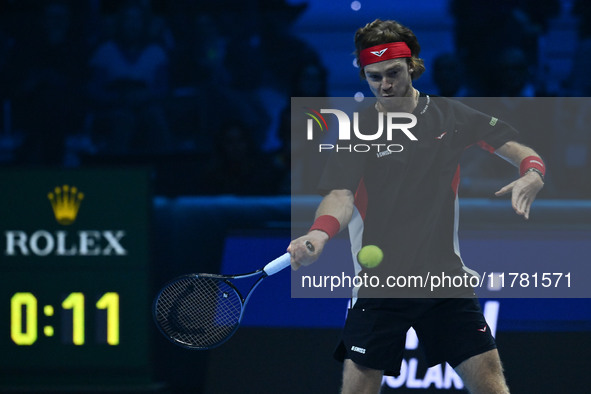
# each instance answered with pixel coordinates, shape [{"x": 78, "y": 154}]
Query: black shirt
[{"x": 407, "y": 201}]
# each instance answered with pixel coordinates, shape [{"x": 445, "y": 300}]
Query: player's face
[{"x": 390, "y": 78}]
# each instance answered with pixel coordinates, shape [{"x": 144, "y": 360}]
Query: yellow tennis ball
[{"x": 370, "y": 256}]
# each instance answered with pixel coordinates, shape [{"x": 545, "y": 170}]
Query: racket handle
[{"x": 278, "y": 264}]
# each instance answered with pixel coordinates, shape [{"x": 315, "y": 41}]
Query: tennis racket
[{"x": 202, "y": 311}]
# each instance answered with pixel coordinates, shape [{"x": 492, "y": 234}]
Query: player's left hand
[{"x": 523, "y": 192}]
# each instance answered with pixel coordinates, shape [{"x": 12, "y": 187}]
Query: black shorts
[{"x": 449, "y": 330}]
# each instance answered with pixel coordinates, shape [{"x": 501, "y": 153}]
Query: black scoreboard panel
[{"x": 74, "y": 279}]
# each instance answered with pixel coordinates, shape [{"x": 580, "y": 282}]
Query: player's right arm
[{"x": 337, "y": 204}]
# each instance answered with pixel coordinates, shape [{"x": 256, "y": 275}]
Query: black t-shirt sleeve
[{"x": 485, "y": 130}]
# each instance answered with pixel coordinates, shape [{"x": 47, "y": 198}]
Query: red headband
[{"x": 379, "y": 53}]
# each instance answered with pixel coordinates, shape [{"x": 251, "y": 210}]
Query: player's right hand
[{"x": 306, "y": 249}]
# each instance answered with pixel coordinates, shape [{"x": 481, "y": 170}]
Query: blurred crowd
[
  {"x": 200, "y": 91},
  {"x": 197, "y": 90},
  {"x": 497, "y": 54}
]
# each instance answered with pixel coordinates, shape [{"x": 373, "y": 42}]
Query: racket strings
[{"x": 199, "y": 311}]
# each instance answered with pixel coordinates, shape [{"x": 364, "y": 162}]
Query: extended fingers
[
  {"x": 519, "y": 202},
  {"x": 505, "y": 189},
  {"x": 527, "y": 208},
  {"x": 523, "y": 193},
  {"x": 522, "y": 199}
]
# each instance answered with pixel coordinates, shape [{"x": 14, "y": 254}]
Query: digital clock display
[
  {"x": 74, "y": 283},
  {"x": 74, "y": 320},
  {"x": 24, "y": 318}
]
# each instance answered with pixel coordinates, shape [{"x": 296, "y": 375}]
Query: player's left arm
[{"x": 531, "y": 180}]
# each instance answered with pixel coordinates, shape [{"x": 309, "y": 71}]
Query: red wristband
[
  {"x": 327, "y": 223},
  {"x": 530, "y": 162}
]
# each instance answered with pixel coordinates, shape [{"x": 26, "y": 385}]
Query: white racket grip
[{"x": 278, "y": 264}]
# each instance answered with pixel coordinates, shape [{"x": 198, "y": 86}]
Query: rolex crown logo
[{"x": 65, "y": 201}]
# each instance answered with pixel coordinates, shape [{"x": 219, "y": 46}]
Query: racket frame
[
  {"x": 269, "y": 269},
  {"x": 226, "y": 280}
]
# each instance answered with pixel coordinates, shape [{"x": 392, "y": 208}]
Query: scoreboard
[{"x": 74, "y": 282}]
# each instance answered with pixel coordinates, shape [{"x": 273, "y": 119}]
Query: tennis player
[{"x": 406, "y": 203}]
